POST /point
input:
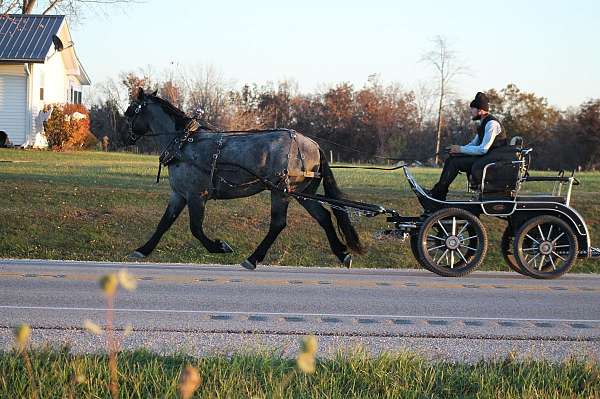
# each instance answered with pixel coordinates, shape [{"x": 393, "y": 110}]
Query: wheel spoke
[
  {"x": 468, "y": 238},
  {"x": 556, "y": 239},
  {"x": 532, "y": 239},
  {"x": 451, "y": 259},
  {"x": 463, "y": 228},
  {"x": 438, "y": 247},
  {"x": 466, "y": 246},
  {"x": 540, "y": 230},
  {"x": 530, "y": 249},
  {"x": 453, "y": 225},
  {"x": 549, "y": 233},
  {"x": 542, "y": 262},
  {"x": 552, "y": 261},
  {"x": 462, "y": 256},
  {"x": 533, "y": 259},
  {"x": 559, "y": 256},
  {"x": 444, "y": 254},
  {"x": 443, "y": 228},
  {"x": 562, "y": 246},
  {"x": 435, "y": 237}
]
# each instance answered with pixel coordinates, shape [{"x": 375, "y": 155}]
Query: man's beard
[{"x": 476, "y": 118}]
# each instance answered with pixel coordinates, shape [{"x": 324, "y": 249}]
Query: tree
[
  {"x": 68, "y": 7},
  {"x": 447, "y": 68},
  {"x": 588, "y": 134}
]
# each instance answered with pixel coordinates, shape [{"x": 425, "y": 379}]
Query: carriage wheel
[
  {"x": 545, "y": 247},
  {"x": 452, "y": 242},
  {"x": 506, "y": 246}
]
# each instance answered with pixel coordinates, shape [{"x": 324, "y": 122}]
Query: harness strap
[
  {"x": 158, "y": 174},
  {"x": 211, "y": 187}
]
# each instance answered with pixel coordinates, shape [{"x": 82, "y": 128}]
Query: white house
[{"x": 35, "y": 69}]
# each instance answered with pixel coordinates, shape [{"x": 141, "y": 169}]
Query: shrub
[{"x": 69, "y": 128}]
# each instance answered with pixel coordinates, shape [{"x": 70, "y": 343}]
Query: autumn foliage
[{"x": 68, "y": 128}]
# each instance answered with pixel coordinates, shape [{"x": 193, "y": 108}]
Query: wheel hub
[
  {"x": 546, "y": 247},
  {"x": 452, "y": 243}
]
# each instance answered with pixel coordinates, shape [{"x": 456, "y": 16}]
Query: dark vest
[{"x": 499, "y": 141}]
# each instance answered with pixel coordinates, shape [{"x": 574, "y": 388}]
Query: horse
[{"x": 205, "y": 164}]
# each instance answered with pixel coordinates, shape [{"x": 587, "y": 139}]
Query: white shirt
[{"x": 492, "y": 129}]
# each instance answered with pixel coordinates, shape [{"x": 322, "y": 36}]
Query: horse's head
[{"x": 138, "y": 116}]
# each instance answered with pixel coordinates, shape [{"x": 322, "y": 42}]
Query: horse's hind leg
[
  {"x": 176, "y": 205},
  {"x": 279, "y": 207},
  {"x": 196, "y": 206},
  {"x": 323, "y": 217}
]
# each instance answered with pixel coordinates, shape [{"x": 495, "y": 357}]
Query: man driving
[{"x": 464, "y": 158}]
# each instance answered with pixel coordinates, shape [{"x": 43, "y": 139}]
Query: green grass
[
  {"x": 264, "y": 375},
  {"x": 101, "y": 206}
]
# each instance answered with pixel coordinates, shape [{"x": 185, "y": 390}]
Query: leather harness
[{"x": 173, "y": 152}]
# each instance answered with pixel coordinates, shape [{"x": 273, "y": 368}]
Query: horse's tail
[{"x": 343, "y": 221}]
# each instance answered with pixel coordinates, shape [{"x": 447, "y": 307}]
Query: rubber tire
[
  {"x": 414, "y": 247},
  {"x": 463, "y": 269},
  {"x": 506, "y": 247},
  {"x": 520, "y": 236}
]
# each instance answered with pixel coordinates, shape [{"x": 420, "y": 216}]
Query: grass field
[
  {"x": 59, "y": 374},
  {"x": 101, "y": 206}
]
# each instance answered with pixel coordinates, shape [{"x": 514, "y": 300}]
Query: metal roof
[{"x": 27, "y": 38}]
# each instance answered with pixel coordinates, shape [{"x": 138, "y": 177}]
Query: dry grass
[{"x": 101, "y": 206}]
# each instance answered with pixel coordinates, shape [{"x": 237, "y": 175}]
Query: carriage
[{"x": 543, "y": 238}]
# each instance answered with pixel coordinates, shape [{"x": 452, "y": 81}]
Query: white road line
[{"x": 388, "y": 316}]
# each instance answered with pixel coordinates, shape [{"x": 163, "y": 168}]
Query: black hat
[{"x": 480, "y": 102}]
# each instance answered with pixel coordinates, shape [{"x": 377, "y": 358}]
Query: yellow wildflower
[
  {"x": 92, "y": 327},
  {"x": 189, "y": 381},
  {"x": 22, "y": 334},
  {"x": 306, "y": 362},
  {"x": 109, "y": 284},
  {"x": 126, "y": 280}
]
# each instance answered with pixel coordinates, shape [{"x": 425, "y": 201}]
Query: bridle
[{"x": 131, "y": 120}]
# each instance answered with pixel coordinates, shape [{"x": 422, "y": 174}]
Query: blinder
[{"x": 132, "y": 114}]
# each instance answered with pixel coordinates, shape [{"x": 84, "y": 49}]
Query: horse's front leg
[
  {"x": 196, "y": 205},
  {"x": 279, "y": 207},
  {"x": 176, "y": 205}
]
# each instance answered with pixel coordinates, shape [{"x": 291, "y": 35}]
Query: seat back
[{"x": 504, "y": 177}]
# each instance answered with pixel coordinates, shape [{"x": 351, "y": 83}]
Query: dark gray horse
[{"x": 220, "y": 165}]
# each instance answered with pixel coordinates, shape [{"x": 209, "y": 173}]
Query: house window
[
  {"x": 41, "y": 93},
  {"x": 75, "y": 96}
]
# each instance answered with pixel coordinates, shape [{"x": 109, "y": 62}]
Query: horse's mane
[{"x": 181, "y": 119}]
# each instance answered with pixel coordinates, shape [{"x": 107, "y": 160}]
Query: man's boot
[{"x": 438, "y": 192}]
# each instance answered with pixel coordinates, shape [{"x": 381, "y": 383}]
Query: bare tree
[
  {"x": 424, "y": 100},
  {"x": 68, "y": 7},
  {"x": 447, "y": 67},
  {"x": 207, "y": 94}
]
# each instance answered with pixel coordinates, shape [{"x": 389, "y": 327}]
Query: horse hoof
[
  {"x": 136, "y": 255},
  {"x": 225, "y": 248},
  {"x": 248, "y": 265},
  {"x": 347, "y": 261}
]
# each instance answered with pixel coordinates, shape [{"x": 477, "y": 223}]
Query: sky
[{"x": 548, "y": 47}]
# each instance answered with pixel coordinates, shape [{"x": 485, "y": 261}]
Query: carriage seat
[{"x": 503, "y": 178}]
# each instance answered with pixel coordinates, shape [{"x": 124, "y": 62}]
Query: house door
[{"x": 13, "y": 107}]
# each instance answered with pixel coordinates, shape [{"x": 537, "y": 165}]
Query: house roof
[{"x": 27, "y": 38}]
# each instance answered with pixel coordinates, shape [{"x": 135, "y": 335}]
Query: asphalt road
[{"x": 220, "y": 309}]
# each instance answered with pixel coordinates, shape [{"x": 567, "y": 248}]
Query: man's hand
[{"x": 453, "y": 149}]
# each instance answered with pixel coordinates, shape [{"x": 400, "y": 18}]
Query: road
[{"x": 221, "y": 309}]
